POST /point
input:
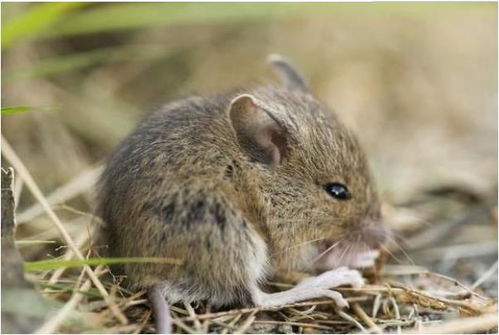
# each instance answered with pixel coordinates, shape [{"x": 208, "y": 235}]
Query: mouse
[{"x": 239, "y": 186}]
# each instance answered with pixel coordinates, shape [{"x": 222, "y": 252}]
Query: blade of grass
[
  {"x": 367, "y": 320},
  {"x": 69, "y": 254},
  {"x": 53, "y": 323},
  {"x": 64, "y": 288},
  {"x": 76, "y": 186},
  {"x": 114, "y": 17},
  {"x": 485, "y": 276},
  {"x": 479, "y": 324},
  {"x": 35, "y": 21},
  {"x": 20, "y": 109},
  {"x": 18, "y": 165},
  {"x": 56, "y": 264}
]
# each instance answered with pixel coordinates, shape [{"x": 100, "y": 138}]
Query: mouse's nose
[{"x": 375, "y": 235}]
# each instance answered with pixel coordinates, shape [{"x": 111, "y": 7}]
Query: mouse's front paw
[
  {"x": 335, "y": 278},
  {"x": 337, "y": 297},
  {"x": 349, "y": 277},
  {"x": 314, "y": 287}
]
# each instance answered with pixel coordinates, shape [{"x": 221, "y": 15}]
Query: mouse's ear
[
  {"x": 290, "y": 77},
  {"x": 261, "y": 137}
]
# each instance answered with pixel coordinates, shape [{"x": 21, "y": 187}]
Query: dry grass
[{"x": 400, "y": 298}]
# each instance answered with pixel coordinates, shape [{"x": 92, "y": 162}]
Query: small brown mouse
[{"x": 239, "y": 186}]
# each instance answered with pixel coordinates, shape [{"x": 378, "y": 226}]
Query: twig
[
  {"x": 130, "y": 301},
  {"x": 52, "y": 324},
  {"x": 246, "y": 324},
  {"x": 225, "y": 326},
  {"x": 485, "y": 276},
  {"x": 11, "y": 156},
  {"x": 206, "y": 323},
  {"x": 367, "y": 320},
  {"x": 458, "y": 326},
  {"x": 118, "y": 330},
  {"x": 51, "y": 232},
  {"x": 192, "y": 314},
  {"x": 333, "y": 322},
  {"x": 455, "y": 282},
  {"x": 401, "y": 270},
  {"x": 301, "y": 314},
  {"x": 143, "y": 323},
  {"x": 397, "y": 312},
  {"x": 178, "y": 322},
  {"x": 291, "y": 323},
  {"x": 376, "y": 305},
  {"x": 74, "y": 187},
  {"x": 179, "y": 310},
  {"x": 351, "y": 319},
  {"x": 424, "y": 298},
  {"x": 231, "y": 324},
  {"x": 134, "y": 303},
  {"x": 258, "y": 309},
  {"x": 82, "y": 239},
  {"x": 77, "y": 211}
]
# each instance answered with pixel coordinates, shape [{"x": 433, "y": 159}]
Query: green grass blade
[
  {"x": 127, "y": 16},
  {"x": 35, "y": 21},
  {"x": 17, "y": 109},
  {"x": 56, "y": 264},
  {"x": 41, "y": 19}
]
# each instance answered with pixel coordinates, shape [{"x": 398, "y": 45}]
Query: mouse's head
[{"x": 321, "y": 200}]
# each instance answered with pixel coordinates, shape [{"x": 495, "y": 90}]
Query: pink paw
[
  {"x": 335, "y": 278},
  {"x": 334, "y": 295},
  {"x": 330, "y": 279}
]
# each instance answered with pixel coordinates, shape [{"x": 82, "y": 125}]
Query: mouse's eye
[{"x": 338, "y": 191}]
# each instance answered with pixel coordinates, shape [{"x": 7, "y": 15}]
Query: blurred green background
[{"x": 417, "y": 81}]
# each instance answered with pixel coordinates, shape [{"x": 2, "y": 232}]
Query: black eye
[{"x": 338, "y": 191}]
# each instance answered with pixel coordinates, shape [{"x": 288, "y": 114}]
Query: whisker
[
  {"x": 391, "y": 254},
  {"x": 402, "y": 250},
  {"x": 300, "y": 244},
  {"x": 321, "y": 214},
  {"x": 343, "y": 253},
  {"x": 326, "y": 251},
  {"x": 397, "y": 235}
]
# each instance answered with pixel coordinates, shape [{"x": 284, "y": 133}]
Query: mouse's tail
[{"x": 161, "y": 311}]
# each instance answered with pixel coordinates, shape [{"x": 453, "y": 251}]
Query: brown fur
[{"x": 182, "y": 186}]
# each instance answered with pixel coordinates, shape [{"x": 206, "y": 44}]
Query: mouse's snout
[
  {"x": 375, "y": 235},
  {"x": 358, "y": 248}
]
